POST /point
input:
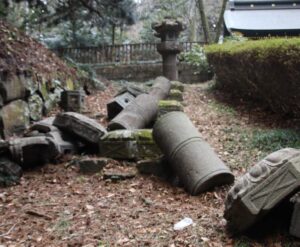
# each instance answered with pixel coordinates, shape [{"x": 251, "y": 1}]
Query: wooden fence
[{"x": 114, "y": 54}]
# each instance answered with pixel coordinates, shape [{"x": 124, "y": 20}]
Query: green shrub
[
  {"x": 197, "y": 58},
  {"x": 267, "y": 70}
]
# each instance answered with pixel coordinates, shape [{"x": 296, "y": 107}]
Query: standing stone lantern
[{"x": 169, "y": 30}]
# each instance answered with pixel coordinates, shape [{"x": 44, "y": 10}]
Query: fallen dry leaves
[{"x": 56, "y": 206}]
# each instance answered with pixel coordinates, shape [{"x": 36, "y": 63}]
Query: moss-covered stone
[
  {"x": 177, "y": 85},
  {"x": 14, "y": 118},
  {"x": 35, "y": 104},
  {"x": 12, "y": 88},
  {"x": 166, "y": 106},
  {"x": 175, "y": 95},
  {"x": 129, "y": 144},
  {"x": 69, "y": 84}
]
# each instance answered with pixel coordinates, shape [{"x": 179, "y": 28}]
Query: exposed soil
[
  {"x": 19, "y": 52},
  {"x": 56, "y": 206}
]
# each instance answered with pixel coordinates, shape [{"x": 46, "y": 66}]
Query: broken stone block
[
  {"x": 295, "y": 222},
  {"x": 72, "y": 100},
  {"x": 14, "y": 118},
  {"x": 10, "y": 172},
  {"x": 166, "y": 106},
  {"x": 12, "y": 88},
  {"x": 35, "y": 104},
  {"x": 266, "y": 184},
  {"x": 92, "y": 165},
  {"x": 79, "y": 125},
  {"x": 33, "y": 151},
  {"x": 44, "y": 126},
  {"x": 117, "y": 104},
  {"x": 175, "y": 95},
  {"x": 63, "y": 142},
  {"x": 177, "y": 85},
  {"x": 129, "y": 145}
]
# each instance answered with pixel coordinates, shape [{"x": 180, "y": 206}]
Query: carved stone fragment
[
  {"x": 266, "y": 184},
  {"x": 194, "y": 161},
  {"x": 33, "y": 151},
  {"x": 79, "y": 125}
]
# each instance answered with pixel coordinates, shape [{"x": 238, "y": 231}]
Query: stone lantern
[{"x": 168, "y": 30}]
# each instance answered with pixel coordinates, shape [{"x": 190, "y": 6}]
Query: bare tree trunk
[
  {"x": 113, "y": 35},
  {"x": 205, "y": 27},
  {"x": 220, "y": 21}
]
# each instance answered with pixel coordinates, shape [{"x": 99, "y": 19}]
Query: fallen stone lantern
[
  {"x": 169, "y": 30},
  {"x": 194, "y": 161}
]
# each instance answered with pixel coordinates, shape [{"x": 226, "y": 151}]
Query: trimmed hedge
[{"x": 266, "y": 70}]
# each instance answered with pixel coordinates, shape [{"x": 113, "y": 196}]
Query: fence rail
[{"x": 112, "y": 54}]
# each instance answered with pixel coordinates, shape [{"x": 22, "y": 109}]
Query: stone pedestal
[{"x": 168, "y": 31}]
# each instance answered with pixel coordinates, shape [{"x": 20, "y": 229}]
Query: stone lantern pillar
[{"x": 169, "y": 30}]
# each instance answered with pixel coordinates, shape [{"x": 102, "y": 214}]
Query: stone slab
[
  {"x": 14, "y": 118},
  {"x": 92, "y": 165},
  {"x": 295, "y": 222},
  {"x": 266, "y": 184},
  {"x": 129, "y": 145},
  {"x": 81, "y": 126}
]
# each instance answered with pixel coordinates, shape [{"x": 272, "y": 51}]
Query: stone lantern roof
[{"x": 168, "y": 29}]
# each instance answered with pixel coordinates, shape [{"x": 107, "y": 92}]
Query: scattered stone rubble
[{"x": 174, "y": 149}]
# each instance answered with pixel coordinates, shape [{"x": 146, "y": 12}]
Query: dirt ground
[{"x": 56, "y": 206}]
